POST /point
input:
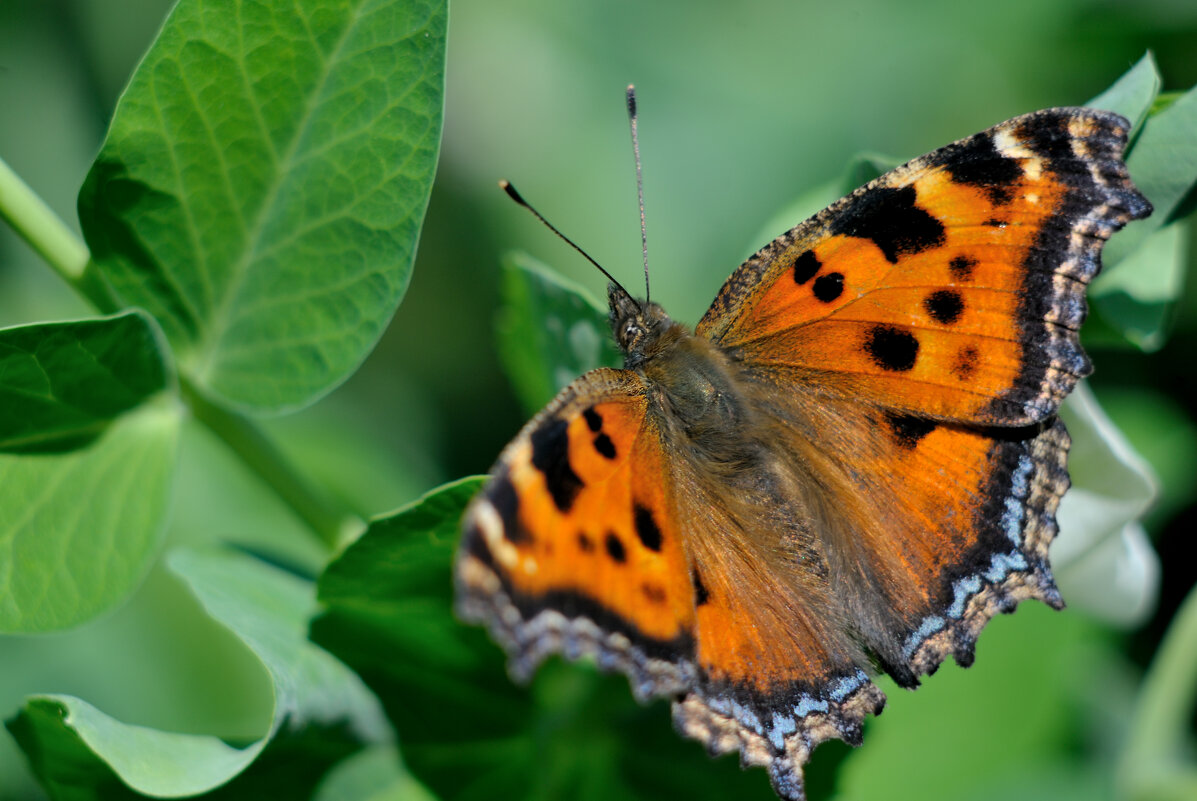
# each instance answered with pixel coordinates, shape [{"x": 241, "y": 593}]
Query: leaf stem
[
  {"x": 333, "y": 526},
  {"x": 68, "y": 256},
  {"x": 50, "y": 238},
  {"x": 38, "y": 225},
  {"x": 1154, "y": 764}
]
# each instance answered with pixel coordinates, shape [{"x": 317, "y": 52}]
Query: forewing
[
  {"x": 951, "y": 287},
  {"x": 571, "y": 546}
]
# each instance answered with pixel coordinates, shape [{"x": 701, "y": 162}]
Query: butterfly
[{"x": 849, "y": 465}]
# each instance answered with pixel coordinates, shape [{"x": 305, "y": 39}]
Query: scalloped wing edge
[{"x": 1026, "y": 509}]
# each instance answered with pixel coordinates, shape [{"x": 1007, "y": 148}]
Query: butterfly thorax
[{"x": 692, "y": 382}]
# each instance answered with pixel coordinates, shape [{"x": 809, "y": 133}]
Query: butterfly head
[{"x": 642, "y": 329}]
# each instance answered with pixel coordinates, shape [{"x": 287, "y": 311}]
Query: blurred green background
[{"x": 743, "y": 107}]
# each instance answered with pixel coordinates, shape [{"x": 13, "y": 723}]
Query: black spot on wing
[
  {"x": 945, "y": 305},
  {"x": 892, "y": 348},
  {"x": 962, "y": 267},
  {"x": 501, "y": 494},
  {"x": 654, "y": 593},
  {"x": 701, "y": 596},
  {"x": 585, "y": 544},
  {"x": 829, "y": 287},
  {"x": 615, "y": 548},
  {"x": 550, "y": 455},
  {"x": 594, "y": 420},
  {"x": 646, "y": 527},
  {"x": 892, "y": 219},
  {"x": 908, "y": 430},
  {"x": 965, "y": 363},
  {"x": 977, "y": 162},
  {"x": 805, "y": 267},
  {"x": 605, "y": 447}
]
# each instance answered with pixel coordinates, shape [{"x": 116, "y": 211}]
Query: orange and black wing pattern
[
  {"x": 952, "y": 287},
  {"x": 888, "y": 475},
  {"x": 915, "y": 341},
  {"x": 600, "y": 535},
  {"x": 572, "y": 546}
]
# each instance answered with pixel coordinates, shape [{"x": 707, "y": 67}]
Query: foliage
[{"x": 251, "y": 224}]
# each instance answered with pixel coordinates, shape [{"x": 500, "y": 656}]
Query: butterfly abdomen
[{"x": 696, "y": 395}]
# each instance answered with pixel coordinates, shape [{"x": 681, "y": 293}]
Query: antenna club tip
[
  {"x": 631, "y": 95},
  {"x": 506, "y": 186}
]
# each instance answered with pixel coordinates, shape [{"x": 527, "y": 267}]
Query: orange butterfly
[{"x": 850, "y": 465}]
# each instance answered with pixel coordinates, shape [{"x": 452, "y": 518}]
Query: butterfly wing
[
  {"x": 570, "y": 547},
  {"x": 901, "y": 356},
  {"x": 599, "y": 535},
  {"x": 911, "y": 345},
  {"x": 951, "y": 287}
]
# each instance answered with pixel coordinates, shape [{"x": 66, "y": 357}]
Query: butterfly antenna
[
  {"x": 639, "y": 184},
  {"x": 518, "y": 198}
]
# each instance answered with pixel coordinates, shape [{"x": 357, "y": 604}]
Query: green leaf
[
  {"x": 1102, "y": 558},
  {"x": 62, "y": 384},
  {"x": 78, "y": 530},
  {"x": 1145, "y": 262},
  {"x": 1133, "y": 94},
  {"x": 1157, "y": 761},
  {"x": 388, "y": 614},
  {"x": 550, "y": 331},
  {"x": 1135, "y": 301},
  {"x": 1163, "y": 164},
  {"x": 263, "y": 184},
  {"x": 373, "y": 774},
  {"x": 467, "y": 732},
  {"x": 1165, "y": 435},
  {"x": 79, "y": 752},
  {"x": 398, "y": 573}
]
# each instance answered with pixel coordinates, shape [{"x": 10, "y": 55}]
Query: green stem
[
  {"x": 333, "y": 526},
  {"x": 1154, "y": 764},
  {"x": 33, "y": 220},
  {"x": 50, "y": 237}
]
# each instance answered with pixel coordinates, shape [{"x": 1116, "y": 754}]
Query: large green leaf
[
  {"x": 262, "y": 186},
  {"x": 1102, "y": 559},
  {"x": 78, "y": 530},
  {"x": 62, "y": 384},
  {"x": 1132, "y": 94},
  {"x": 467, "y": 732},
  {"x": 1145, "y": 263},
  {"x": 388, "y": 598},
  {"x": 550, "y": 331},
  {"x": 1134, "y": 302},
  {"x": 321, "y": 709}
]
